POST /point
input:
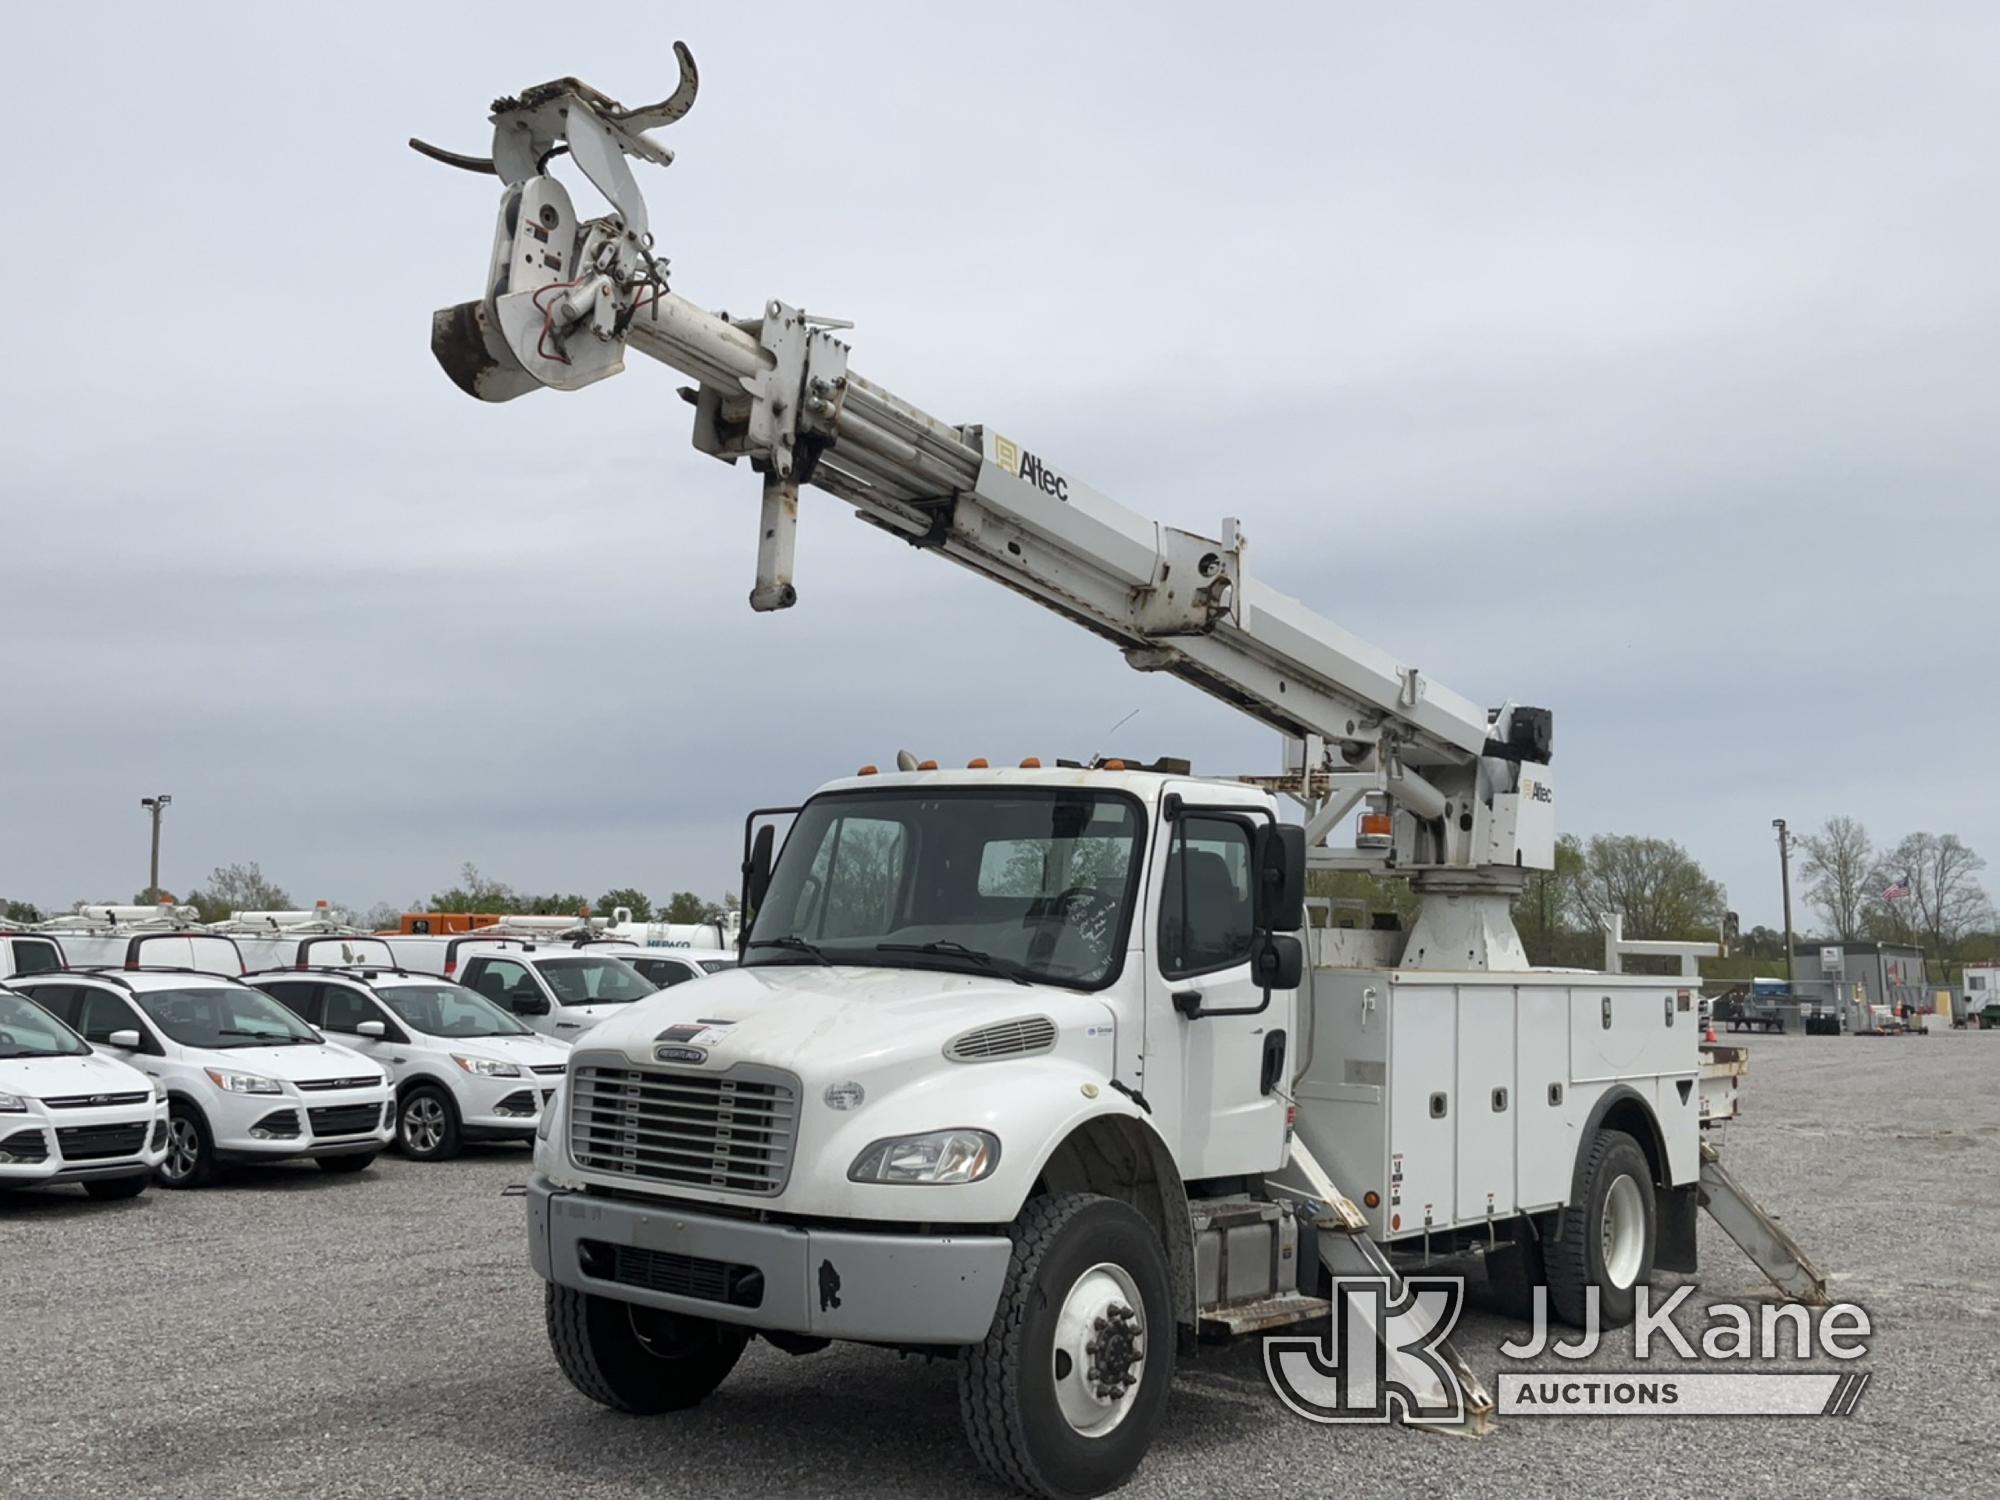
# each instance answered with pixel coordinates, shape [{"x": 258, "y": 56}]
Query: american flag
[{"x": 1897, "y": 890}]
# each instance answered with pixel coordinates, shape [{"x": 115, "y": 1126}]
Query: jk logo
[{"x": 1379, "y": 1359}]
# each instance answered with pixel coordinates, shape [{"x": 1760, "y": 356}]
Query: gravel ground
[{"x": 295, "y": 1333}]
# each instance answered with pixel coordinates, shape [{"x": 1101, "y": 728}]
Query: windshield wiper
[
  {"x": 268, "y": 1038},
  {"x": 793, "y": 943},
  {"x": 952, "y": 949}
]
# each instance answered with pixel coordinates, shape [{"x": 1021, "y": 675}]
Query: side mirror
[
  {"x": 372, "y": 1028},
  {"x": 1277, "y": 961},
  {"x": 757, "y": 870},
  {"x": 529, "y": 1005},
  {"x": 1280, "y": 853},
  {"x": 129, "y": 1040}
]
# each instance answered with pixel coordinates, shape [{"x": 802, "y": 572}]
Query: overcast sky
[{"x": 1636, "y": 363}]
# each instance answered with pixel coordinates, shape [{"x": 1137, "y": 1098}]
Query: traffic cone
[{"x": 1709, "y": 1034}]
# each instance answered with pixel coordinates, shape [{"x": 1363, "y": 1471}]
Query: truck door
[{"x": 1229, "y": 1035}]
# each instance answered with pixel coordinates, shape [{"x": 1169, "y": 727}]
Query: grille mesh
[
  {"x": 731, "y": 1131},
  {"x": 1018, "y": 1038}
]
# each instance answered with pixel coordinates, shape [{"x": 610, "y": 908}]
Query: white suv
[
  {"x": 246, "y": 1079},
  {"x": 560, "y": 989},
  {"x": 464, "y": 1069},
  {"x": 70, "y": 1114}
]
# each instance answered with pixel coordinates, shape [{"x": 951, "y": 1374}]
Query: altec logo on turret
[{"x": 1029, "y": 469}]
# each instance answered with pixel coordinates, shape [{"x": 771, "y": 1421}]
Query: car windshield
[
  {"x": 26, "y": 1030},
  {"x": 222, "y": 1017},
  {"x": 1024, "y": 882},
  {"x": 448, "y": 1010},
  {"x": 593, "y": 980}
]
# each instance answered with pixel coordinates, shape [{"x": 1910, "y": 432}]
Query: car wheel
[
  {"x": 358, "y": 1161},
  {"x": 427, "y": 1125},
  {"x": 1065, "y": 1393},
  {"x": 190, "y": 1158},
  {"x": 1607, "y": 1234},
  {"x": 638, "y": 1359},
  {"x": 117, "y": 1187}
]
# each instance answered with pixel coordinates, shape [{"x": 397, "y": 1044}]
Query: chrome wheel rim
[
  {"x": 1622, "y": 1233},
  {"x": 183, "y": 1150},
  {"x": 423, "y": 1124},
  {"x": 1098, "y": 1361}
]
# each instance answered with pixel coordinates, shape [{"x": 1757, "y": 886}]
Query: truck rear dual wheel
[
  {"x": 1606, "y": 1235},
  {"x": 638, "y": 1359},
  {"x": 1065, "y": 1393}
]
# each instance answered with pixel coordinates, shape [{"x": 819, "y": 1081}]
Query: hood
[
  {"x": 58, "y": 1077},
  {"x": 297, "y": 1064},
  {"x": 527, "y": 1050},
  {"x": 820, "y": 1021}
]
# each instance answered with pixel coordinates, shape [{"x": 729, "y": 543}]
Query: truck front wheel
[
  {"x": 1607, "y": 1234},
  {"x": 1065, "y": 1393},
  {"x": 638, "y": 1359}
]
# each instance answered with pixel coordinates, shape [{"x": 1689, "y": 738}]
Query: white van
[
  {"x": 29, "y": 953},
  {"x": 116, "y": 949},
  {"x": 464, "y": 1069},
  {"x": 301, "y": 939},
  {"x": 561, "y": 990},
  {"x": 246, "y": 1080},
  {"x": 69, "y": 1113}
]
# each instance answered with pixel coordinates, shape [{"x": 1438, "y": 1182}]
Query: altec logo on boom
[{"x": 1029, "y": 469}]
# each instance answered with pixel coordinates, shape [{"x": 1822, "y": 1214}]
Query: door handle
[
  {"x": 1188, "y": 1003},
  {"x": 568, "y": 1026}
]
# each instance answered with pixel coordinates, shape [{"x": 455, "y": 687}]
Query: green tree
[
  {"x": 475, "y": 893},
  {"x": 1664, "y": 894},
  {"x": 687, "y": 907},
  {"x": 1544, "y": 912},
  {"x": 637, "y": 902},
  {"x": 21, "y": 912},
  {"x": 234, "y": 888},
  {"x": 556, "y": 904}
]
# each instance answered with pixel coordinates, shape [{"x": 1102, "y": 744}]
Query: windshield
[
  {"x": 26, "y": 1030},
  {"x": 448, "y": 1010},
  {"x": 223, "y": 1017},
  {"x": 1028, "y": 883},
  {"x": 593, "y": 980}
]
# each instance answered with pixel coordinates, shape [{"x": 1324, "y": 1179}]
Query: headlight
[
  {"x": 241, "y": 1083},
  {"x": 943, "y": 1156},
  {"x": 13, "y": 1104},
  {"x": 487, "y": 1067}
]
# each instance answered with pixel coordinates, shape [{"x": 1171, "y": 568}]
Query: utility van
[
  {"x": 464, "y": 1069},
  {"x": 29, "y": 953},
  {"x": 246, "y": 1080},
  {"x": 70, "y": 1113}
]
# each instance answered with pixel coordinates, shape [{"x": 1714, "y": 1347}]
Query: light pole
[
  {"x": 155, "y": 806},
  {"x": 1785, "y": 876}
]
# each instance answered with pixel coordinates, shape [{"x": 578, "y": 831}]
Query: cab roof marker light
[
  {"x": 1031, "y": 763},
  {"x": 866, "y": 771},
  {"x": 926, "y": 765},
  {"x": 977, "y": 763}
]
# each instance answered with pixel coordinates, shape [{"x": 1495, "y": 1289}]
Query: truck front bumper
[{"x": 831, "y": 1283}]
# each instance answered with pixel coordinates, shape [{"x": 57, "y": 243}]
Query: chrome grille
[
  {"x": 328, "y": 1085},
  {"x": 548, "y": 1070},
  {"x": 90, "y": 1101},
  {"x": 1017, "y": 1038},
  {"x": 731, "y": 1131}
]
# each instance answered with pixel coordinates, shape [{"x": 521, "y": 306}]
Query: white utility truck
[{"x": 1031, "y": 1066}]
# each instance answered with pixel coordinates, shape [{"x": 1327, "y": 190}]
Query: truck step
[{"x": 1262, "y": 1314}]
